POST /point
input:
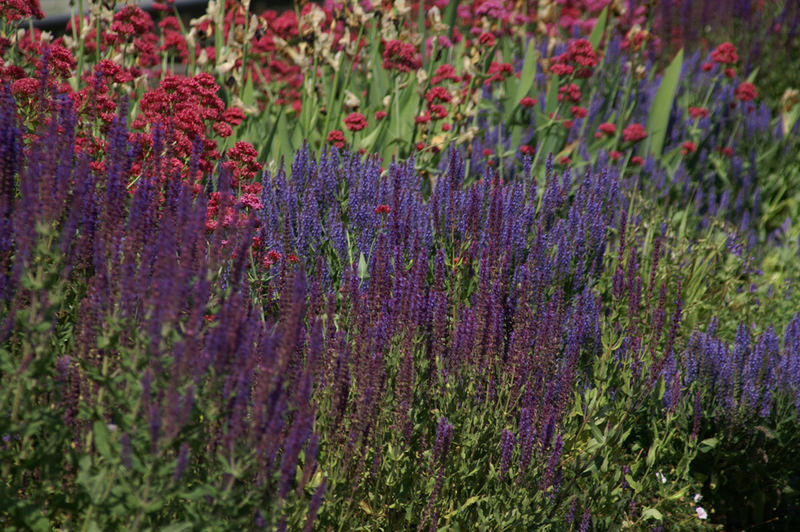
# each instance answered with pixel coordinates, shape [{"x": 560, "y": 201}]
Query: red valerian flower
[
  {"x": 607, "y": 128},
  {"x": 420, "y": 146},
  {"x": 486, "y": 40},
  {"x": 726, "y": 150},
  {"x": 634, "y": 132},
  {"x": 526, "y": 150},
  {"x": 730, "y": 72},
  {"x": 424, "y": 118},
  {"x": 438, "y": 111},
  {"x": 382, "y": 209},
  {"x": 243, "y": 156},
  {"x": 561, "y": 67},
  {"x": 336, "y": 137},
  {"x": 252, "y": 201},
  {"x": 233, "y": 116},
  {"x": 688, "y": 147},
  {"x": 725, "y": 54},
  {"x": 564, "y": 160},
  {"x": 380, "y": 115},
  {"x": 271, "y": 258},
  {"x": 569, "y": 92},
  {"x": 355, "y": 121},
  {"x": 528, "y": 102},
  {"x": 614, "y": 155},
  {"x": 223, "y": 129},
  {"x": 498, "y": 72},
  {"x": 446, "y": 127},
  {"x": 14, "y": 10},
  {"x": 61, "y": 60},
  {"x": 401, "y": 56},
  {"x": 445, "y": 72},
  {"x": 130, "y": 21},
  {"x": 707, "y": 66},
  {"x": 582, "y": 52},
  {"x": 746, "y": 92},
  {"x": 568, "y": 124},
  {"x": 637, "y": 161},
  {"x": 578, "y": 112},
  {"x": 438, "y": 94},
  {"x": 291, "y": 257},
  {"x": 698, "y": 112},
  {"x": 25, "y": 87}
]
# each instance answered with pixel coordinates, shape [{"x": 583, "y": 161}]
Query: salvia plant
[{"x": 397, "y": 266}]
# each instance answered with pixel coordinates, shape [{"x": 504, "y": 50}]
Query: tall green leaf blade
[
  {"x": 599, "y": 28},
  {"x": 662, "y": 104},
  {"x": 526, "y": 78}
]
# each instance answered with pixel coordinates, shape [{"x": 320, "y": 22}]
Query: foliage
[{"x": 435, "y": 266}]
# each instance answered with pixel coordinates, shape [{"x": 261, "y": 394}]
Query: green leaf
[
  {"x": 708, "y": 444},
  {"x": 363, "y": 268},
  {"x": 652, "y": 513},
  {"x": 599, "y": 28},
  {"x": 248, "y": 95},
  {"x": 177, "y": 527},
  {"x": 651, "y": 456},
  {"x": 526, "y": 78},
  {"x": 101, "y": 439},
  {"x": 662, "y": 104},
  {"x": 551, "y": 101}
]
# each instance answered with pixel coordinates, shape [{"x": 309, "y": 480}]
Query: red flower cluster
[
  {"x": 725, "y": 54},
  {"x": 570, "y": 93},
  {"x": 746, "y": 92},
  {"x": 62, "y": 62},
  {"x": 336, "y": 138},
  {"x": 634, "y": 132},
  {"x": 128, "y": 23},
  {"x": 698, "y": 112},
  {"x": 438, "y": 94},
  {"x": 498, "y": 72},
  {"x": 355, "y": 121},
  {"x": 186, "y": 106},
  {"x": 271, "y": 258},
  {"x": 401, "y": 56},
  {"x": 578, "y": 112},
  {"x": 382, "y": 209},
  {"x": 528, "y": 102},
  {"x": 606, "y": 128},
  {"x": 445, "y": 72},
  {"x": 13, "y": 10},
  {"x": 251, "y": 201},
  {"x": 486, "y": 40},
  {"x": 688, "y": 147},
  {"x": 244, "y": 166},
  {"x": 25, "y": 87},
  {"x": 580, "y": 54},
  {"x": 174, "y": 40}
]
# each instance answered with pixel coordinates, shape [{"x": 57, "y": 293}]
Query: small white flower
[
  {"x": 701, "y": 513},
  {"x": 661, "y": 477},
  {"x": 697, "y": 497}
]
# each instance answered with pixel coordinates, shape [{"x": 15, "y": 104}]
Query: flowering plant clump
[{"x": 419, "y": 265}]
